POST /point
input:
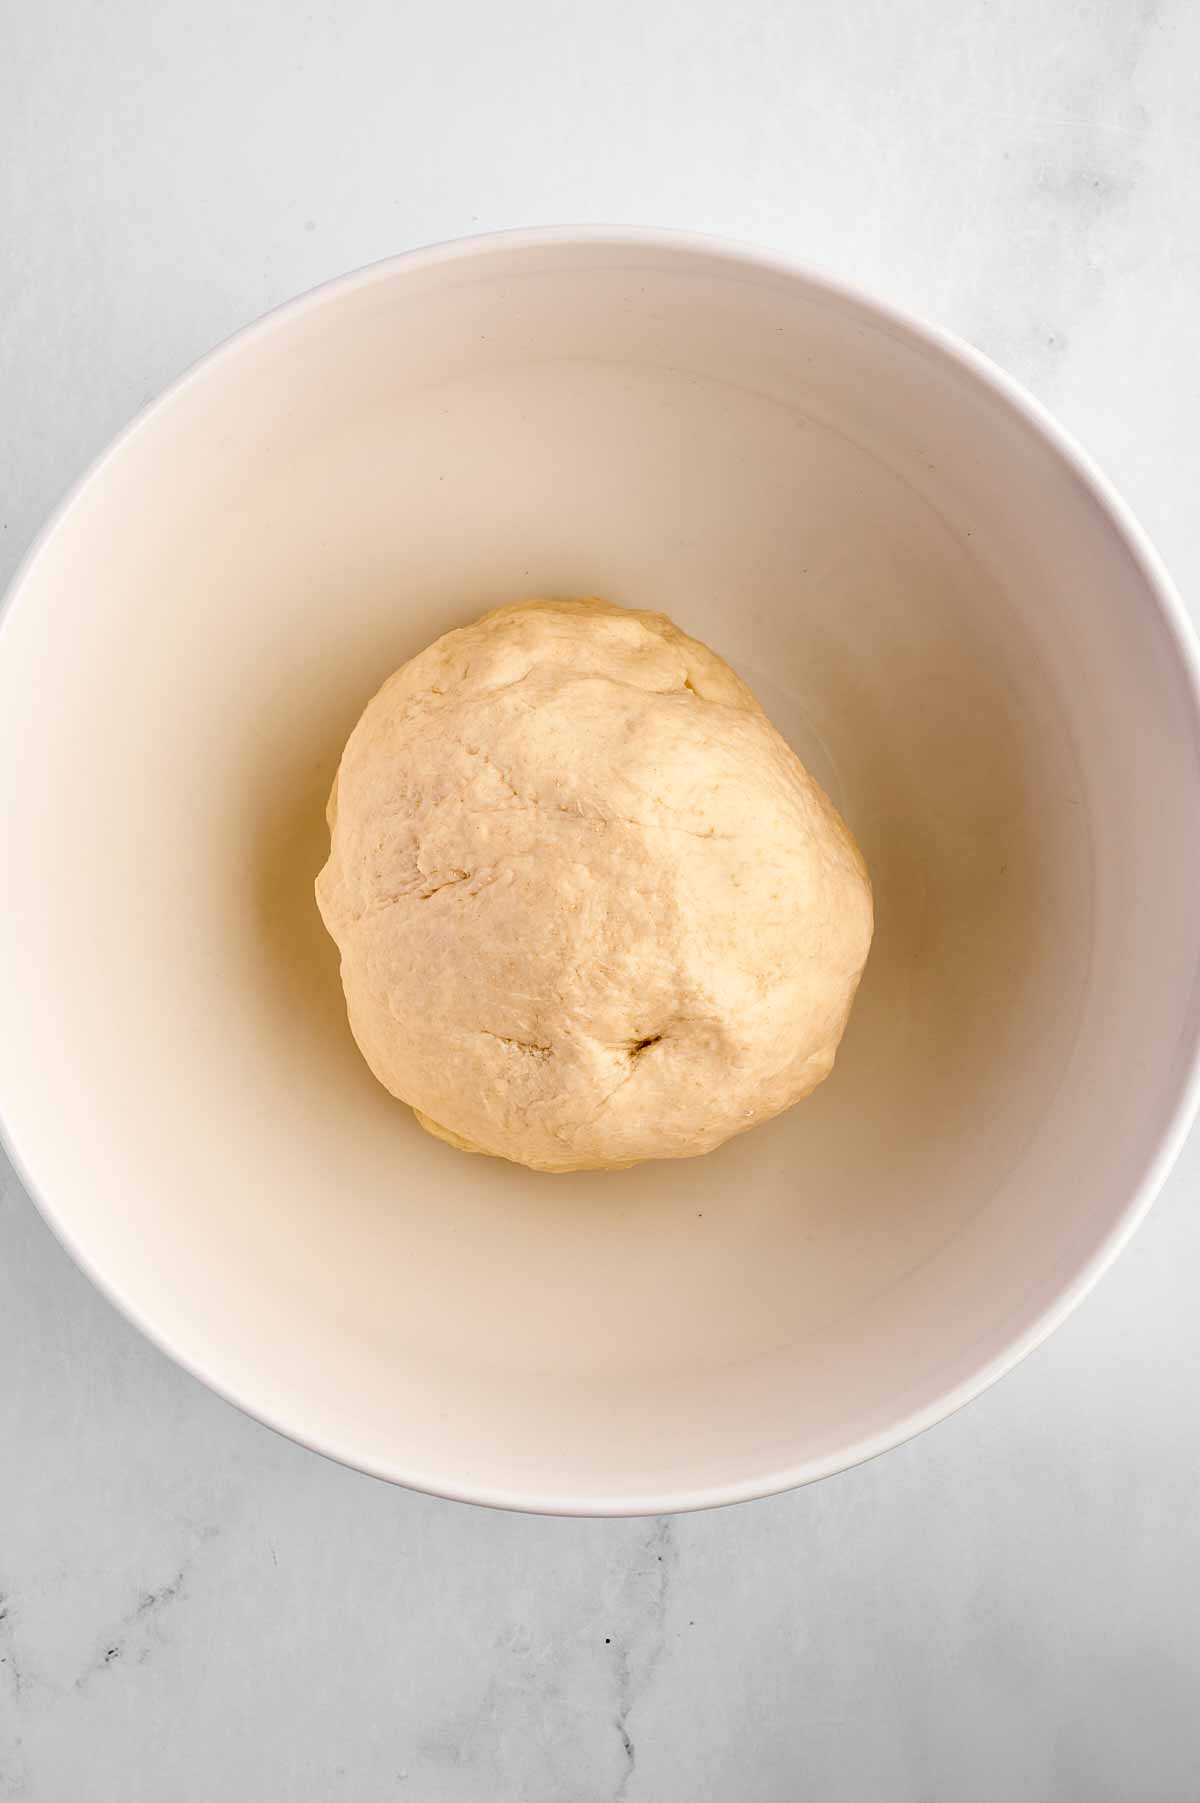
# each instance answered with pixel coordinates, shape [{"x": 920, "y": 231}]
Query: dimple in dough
[{"x": 591, "y": 908}]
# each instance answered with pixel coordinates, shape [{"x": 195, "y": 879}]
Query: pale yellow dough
[{"x": 591, "y": 908}]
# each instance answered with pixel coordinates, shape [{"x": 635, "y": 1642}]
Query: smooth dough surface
[{"x": 591, "y": 908}]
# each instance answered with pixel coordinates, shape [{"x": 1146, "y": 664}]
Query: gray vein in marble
[
  {"x": 636, "y": 1656},
  {"x": 117, "y": 1645},
  {"x": 1064, "y": 206},
  {"x": 133, "y": 1639},
  {"x": 8, "y": 1647}
]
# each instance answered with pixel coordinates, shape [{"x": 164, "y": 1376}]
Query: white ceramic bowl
[{"x": 942, "y": 605}]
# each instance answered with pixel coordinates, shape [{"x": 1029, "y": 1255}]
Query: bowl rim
[{"x": 1179, "y": 1108}]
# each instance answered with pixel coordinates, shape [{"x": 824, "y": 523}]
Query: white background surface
[{"x": 192, "y": 1609}]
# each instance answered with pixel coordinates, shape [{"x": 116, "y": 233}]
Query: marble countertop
[{"x": 193, "y": 1610}]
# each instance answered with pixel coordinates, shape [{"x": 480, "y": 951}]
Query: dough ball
[{"x": 590, "y": 906}]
